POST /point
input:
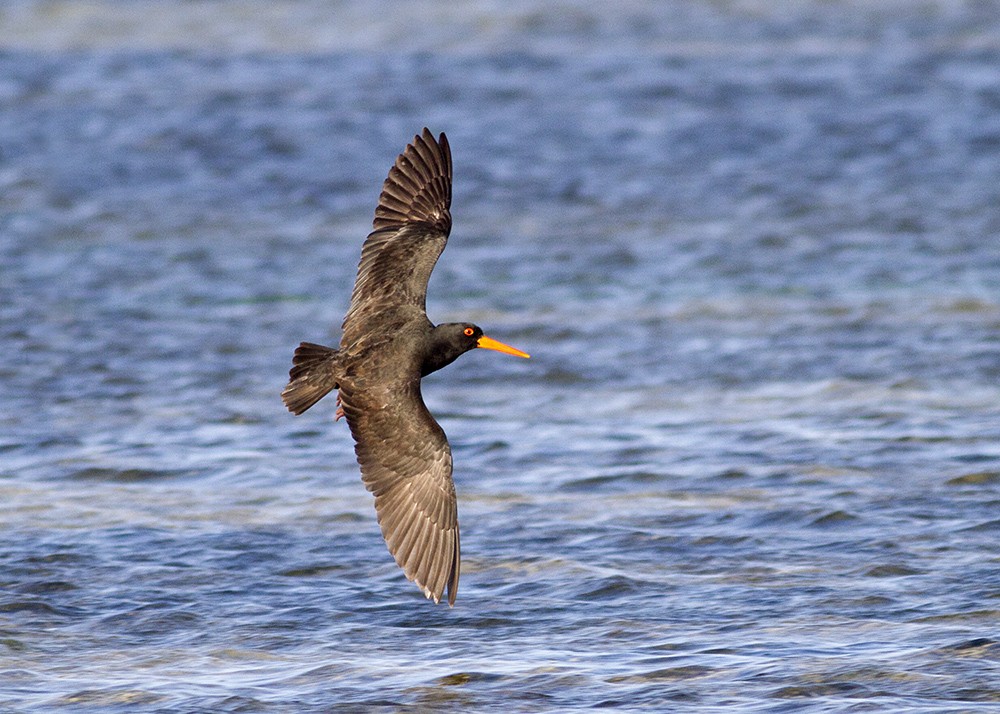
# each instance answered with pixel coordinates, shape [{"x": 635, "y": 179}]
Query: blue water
[{"x": 752, "y": 465}]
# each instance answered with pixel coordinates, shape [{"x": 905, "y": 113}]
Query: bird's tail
[{"x": 313, "y": 375}]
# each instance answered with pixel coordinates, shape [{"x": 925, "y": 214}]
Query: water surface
[{"x": 753, "y": 464}]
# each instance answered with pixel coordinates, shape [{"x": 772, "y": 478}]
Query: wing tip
[
  {"x": 456, "y": 568},
  {"x": 441, "y": 143},
  {"x": 451, "y": 583},
  {"x": 433, "y": 584},
  {"x": 418, "y": 187}
]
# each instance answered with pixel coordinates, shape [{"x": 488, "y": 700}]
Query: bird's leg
[{"x": 340, "y": 410}]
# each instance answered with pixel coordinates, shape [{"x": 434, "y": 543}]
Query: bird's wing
[
  {"x": 411, "y": 228},
  {"x": 406, "y": 463}
]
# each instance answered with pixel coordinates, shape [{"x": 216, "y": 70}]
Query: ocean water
[{"x": 753, "y": 249}]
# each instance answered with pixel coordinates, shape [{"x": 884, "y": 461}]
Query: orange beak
[{"x": 490, "y": 344}]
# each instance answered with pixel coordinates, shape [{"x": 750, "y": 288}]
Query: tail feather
[{"x": 312, "y": 377}]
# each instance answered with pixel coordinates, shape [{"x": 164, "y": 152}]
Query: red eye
[{"x": 469, "y": 332}]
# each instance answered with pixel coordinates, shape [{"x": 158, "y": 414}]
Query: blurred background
[{"x": 752, "y": 247}]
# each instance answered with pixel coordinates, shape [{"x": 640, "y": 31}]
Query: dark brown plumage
[{"x": 387, "y": 345}]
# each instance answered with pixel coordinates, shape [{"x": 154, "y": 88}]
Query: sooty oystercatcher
[{"x": 387, "y": 345}]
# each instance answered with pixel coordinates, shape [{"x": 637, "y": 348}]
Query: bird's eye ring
[{"x": 469, "y": 332}]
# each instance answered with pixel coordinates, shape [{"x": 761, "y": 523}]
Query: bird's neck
[{"x": 442, "y": 352}]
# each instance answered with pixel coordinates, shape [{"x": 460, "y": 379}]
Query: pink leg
[{"x": 340, "y": 410}]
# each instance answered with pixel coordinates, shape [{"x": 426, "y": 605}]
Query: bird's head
[{"x": 456, "y": 338}]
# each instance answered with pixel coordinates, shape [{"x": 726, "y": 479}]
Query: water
[{"x": 753, "y": 464}]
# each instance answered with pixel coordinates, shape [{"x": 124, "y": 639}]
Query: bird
[{"x": 387, "y": 345}]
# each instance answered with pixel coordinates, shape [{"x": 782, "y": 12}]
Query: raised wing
[
  {"x": 411, "y": 227},
  {"x": 406, "y": 463}
]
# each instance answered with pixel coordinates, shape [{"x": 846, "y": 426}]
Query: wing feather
[
  {"x": 410, "y": 230},
  {"x": 406, "y": 463}
]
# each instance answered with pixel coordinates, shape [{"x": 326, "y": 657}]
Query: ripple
[
  {"x": 132, "y": 475},
  {"x": 666, "y": 674},
  {"x": 977, "y": 478},
  {"x": 462, "y": 678},
  {"x": 890, "y": 571},
  {"x": 834, "y": 519},
  {"x": 111, "y": 697}
]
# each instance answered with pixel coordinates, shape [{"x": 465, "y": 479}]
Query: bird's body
[{"x": 387, "y": 345}]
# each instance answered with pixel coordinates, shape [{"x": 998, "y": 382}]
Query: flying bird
[{"x": 387, "y": 345}]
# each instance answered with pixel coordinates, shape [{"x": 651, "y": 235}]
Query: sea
[{"x": 753, "y": 247}]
